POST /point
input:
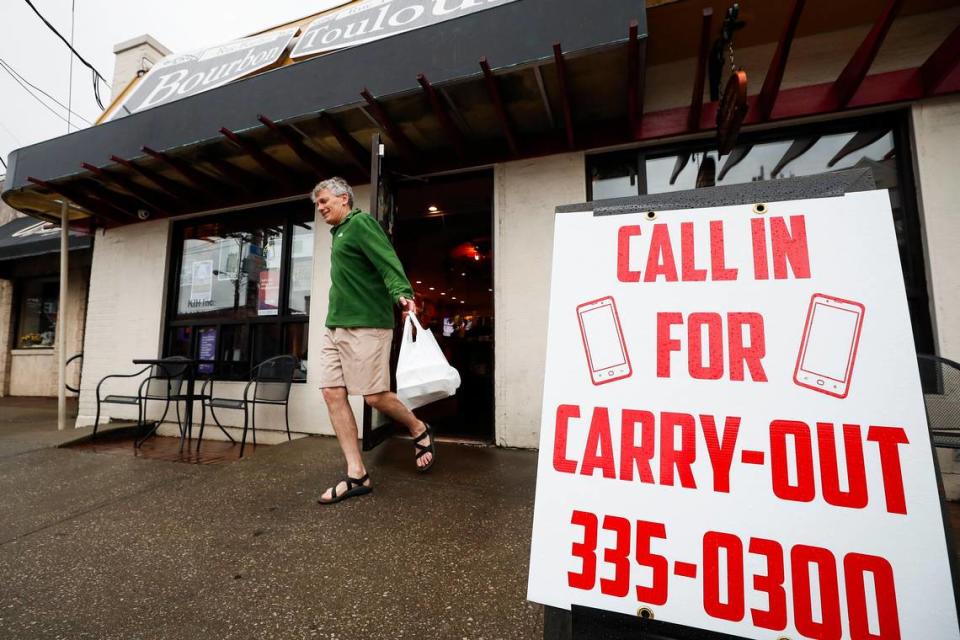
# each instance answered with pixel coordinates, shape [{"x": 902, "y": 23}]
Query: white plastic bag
[{"x": 423, "y": 374}]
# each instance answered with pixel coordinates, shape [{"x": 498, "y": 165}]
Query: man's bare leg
[
  {"x": 345, "y": 426},
  {"x": 389, "y": 404}
]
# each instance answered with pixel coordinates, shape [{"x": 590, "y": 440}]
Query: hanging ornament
[{"x": 733, "y": 101}]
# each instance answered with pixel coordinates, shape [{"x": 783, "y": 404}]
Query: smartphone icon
[
  {"x": 603, "y": 342},
  {"x": 829, "y": 347}
]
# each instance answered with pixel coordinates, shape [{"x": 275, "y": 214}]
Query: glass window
[
  {"x": 614, "y": 175},
  {"x": 295, "y": 343},
  {"x": 179, "y": 341},
  {"x": 239, "y": 279},
  {"x": 234, "y": 351},
  {"x": 230, "y": 268},
  {"x": 873, "y": 144},
  {"x": 800, "y": 156},
  {"x": 37, "y": 317},
  {"x": 301, "y": 267},
  {"x": 266, "y": 342}
]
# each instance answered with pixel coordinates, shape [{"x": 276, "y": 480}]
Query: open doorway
[{"x": 443, "y": 236}]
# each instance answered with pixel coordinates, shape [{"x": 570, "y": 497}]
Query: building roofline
[{"x": 146, "y": 38}]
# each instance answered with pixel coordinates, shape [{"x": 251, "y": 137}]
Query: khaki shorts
[{"x": 358, "y": 359}]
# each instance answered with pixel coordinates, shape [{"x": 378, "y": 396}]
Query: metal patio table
[{"x": 189, "y": 397}]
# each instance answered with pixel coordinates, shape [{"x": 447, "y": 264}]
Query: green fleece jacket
[{"x": 366, "y": 277}]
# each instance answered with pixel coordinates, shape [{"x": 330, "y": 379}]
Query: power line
[
  {"x": 17, "y": 76},
  {"x": 96, "y": 74},
  {"x": 73, "y": 19},
  {"x": 11, "y": 133},
  {"x": 70, "y": 46},
  {"x": 32, "y": 94}
]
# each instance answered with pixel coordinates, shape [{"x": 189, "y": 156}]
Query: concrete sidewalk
[{"x": 101, "y": 546}]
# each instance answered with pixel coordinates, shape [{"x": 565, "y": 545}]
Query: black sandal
[
  {"x": 355, "y": 487},
  {"x": 424, "y": 449}
]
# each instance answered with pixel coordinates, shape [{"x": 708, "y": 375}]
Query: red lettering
[
  {"x": 618, "y": 556},
  {"x": 681, "y": 458},
  {"x": 733, "y": 609},
  {"x": 560, "y": 460},
  {"x": 855, "y": 567},
  {"x": 656, "y": 593},
  {"x": 775, "y": 616},
  {"x": 740, "y": 354},
  {"x": 630, "y": 453},
  {"x": 855, "y": 497},
  {"x": 888, "y": 439},
  {"x": 759, "y": 232},
  {"x": 665, "y": 344},
  {"x": 718, "y": 268},
  {"x": 804, "y": 490},
  {"x": 720, "y": 451},
  {"x": 660, "y": 261},
  {"x": 714, "y": 324},
  {"x": 599, "y": 438},
  {"x": 688, "y": 268},
  {"x": 585, "y": 550},
  {"x": 789, "y": 245},
  {"x": 801, "y": 557},
  {"x": 624, "y": 273}
]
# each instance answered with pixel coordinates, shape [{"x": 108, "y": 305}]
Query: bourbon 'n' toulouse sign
[
  {"x": 375, "y": 19},
  {"x": 181, "y": 75}
]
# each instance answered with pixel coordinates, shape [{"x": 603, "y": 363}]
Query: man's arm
[{"x": 378, "y": 249}]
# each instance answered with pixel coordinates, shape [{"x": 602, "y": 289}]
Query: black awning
[
  {"x": 27, "y": 237},
  {"x": 511, "y": 35}
]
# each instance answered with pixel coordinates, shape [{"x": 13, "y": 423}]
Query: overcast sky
[{"x": 42, "y": 59}]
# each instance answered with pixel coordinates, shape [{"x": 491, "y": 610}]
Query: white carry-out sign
[{"x": 733, "y": 432}]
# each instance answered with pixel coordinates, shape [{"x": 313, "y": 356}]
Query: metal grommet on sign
[
  {"x": 760, "y": 208},
  {"x": 645, "y": 612},
  {"x": 651, "y": 215}
]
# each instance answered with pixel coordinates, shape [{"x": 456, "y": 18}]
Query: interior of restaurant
[{"x": 443, "y": 236}]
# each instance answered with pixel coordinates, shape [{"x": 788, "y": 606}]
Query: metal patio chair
[
  {"x": 270, "y": 380},
  {"x": 164, "y": 382},
  {"x": 940, "y": 380}
]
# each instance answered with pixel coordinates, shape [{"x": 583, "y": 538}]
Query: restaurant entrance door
[
  {"x": 441, "y": 228},
  {"x": 443, "y": 235}
]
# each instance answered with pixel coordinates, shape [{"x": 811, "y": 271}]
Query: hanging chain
[{"x": 731, "y": 24}]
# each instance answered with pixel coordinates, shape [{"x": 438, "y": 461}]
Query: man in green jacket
[{"x": 366, "y": 280}]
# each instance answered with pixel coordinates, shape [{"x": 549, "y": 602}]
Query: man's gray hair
[{"x": 337, "y": 186}]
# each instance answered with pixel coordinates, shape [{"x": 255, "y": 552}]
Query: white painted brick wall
[{"x": 124, "y": 309}]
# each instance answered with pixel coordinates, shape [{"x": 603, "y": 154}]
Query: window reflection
[
  {"x": 39, "y": 301},
  {"x": 614, "y": 175},
  {"x": 295, "y": 344},
  {"x": 240, "y": 291},
  {"x": 266, "y": 342},
  {"x": 230, "y": 266},
  {"x": 802, "y": 156},
  {"x": 301, "y": 267},
  {"x": 178, "y": 344},
  {"x": 234, "y": 352}
]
